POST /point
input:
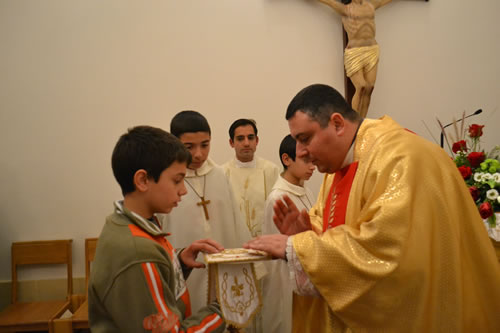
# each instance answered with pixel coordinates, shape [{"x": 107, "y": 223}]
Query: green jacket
[{"x": 137, "y": 283}]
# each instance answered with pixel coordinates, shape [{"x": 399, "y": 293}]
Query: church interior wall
[{"x": 75, "y": 75}]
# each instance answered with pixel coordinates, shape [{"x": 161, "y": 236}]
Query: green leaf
[{"x": 492, "y": 220}]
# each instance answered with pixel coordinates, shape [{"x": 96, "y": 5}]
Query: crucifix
[
  {"x": 361, "y": 49},
  {"x": 204, "y": 203}
]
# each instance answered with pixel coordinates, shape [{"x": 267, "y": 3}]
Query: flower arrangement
[{"x": 480, "y": 170}]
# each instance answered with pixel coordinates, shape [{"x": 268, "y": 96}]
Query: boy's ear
[
  {"x": 286, "y": 159},
  {"x": 141, "y": 180},
  {"x": 231, "y": 143}
]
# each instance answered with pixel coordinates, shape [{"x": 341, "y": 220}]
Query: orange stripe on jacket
[
  {"x": 209, "y": 324},
  {"x": 138, "y": 232},
  {"x": 156, "y": 289}
]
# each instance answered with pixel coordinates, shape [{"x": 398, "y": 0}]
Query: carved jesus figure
[{"x": 362, "y": 51}]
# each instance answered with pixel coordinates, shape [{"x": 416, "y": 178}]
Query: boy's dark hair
[
  {"x": 288, "y": 146},
  {"x": 319, "y": 102},
  {"x": 148, "y": 148},
  {"x": 241, "y": 122},
  {"x": 189, "y": 122}
]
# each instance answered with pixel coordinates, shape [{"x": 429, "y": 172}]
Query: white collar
[
  {"x": 201, "y": 171},
  {"x": 285, "y": 185},
  {"x": 249, "y": 165},
  {"x": 349, "y": 158}
]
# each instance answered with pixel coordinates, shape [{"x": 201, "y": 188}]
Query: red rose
[
  {"x": 474, "y": 191},
  {"x": 465, "y": 171},
  {"x": 485, "y": 210},
  {"x": 460, "y": 145},
  {"x": 475, "y": 158},
  {"x": 475, "y": 130}
]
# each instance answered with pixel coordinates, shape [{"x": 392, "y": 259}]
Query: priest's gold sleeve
[{"x": 413, "y": 245}]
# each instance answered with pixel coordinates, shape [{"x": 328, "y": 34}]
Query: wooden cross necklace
[{"x": 203, "y": 202}]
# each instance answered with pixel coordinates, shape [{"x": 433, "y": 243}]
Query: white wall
[{"x": 74, "y": 75}]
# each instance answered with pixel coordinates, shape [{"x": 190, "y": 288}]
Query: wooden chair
[
  {"x": 90, "y": 246},
  {"x": 80, "y": 318},
  {"x": 36, "y": 316}
]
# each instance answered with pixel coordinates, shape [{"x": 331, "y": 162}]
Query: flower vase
[{"x": 493, "y": 231}]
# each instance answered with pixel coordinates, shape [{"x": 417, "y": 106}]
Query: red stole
[{"x": 336, "y": 203}]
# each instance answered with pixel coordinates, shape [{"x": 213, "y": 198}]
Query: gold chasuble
[{"x": 398, "y": 245}]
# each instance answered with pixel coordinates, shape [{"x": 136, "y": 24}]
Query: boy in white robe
[
  {"x": 277, "y": 287},
  {"x": 208, "y": 210}
]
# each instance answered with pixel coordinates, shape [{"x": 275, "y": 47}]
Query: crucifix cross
[
  {"x": 361, "y": 49},
  {"x": 204, "y": 203}
]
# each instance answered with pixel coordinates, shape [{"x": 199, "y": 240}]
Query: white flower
[
  {"x": 498, "y": 199},
  {"x": 496, "y": 176},
  {"x": 478, "y": 176},
  {"x": 486, "y": 176},
  {"x": 492, "y": 194}
]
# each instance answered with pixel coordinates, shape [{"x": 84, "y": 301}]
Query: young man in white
[
  {"x": 277, "y": 288},
  {"x": 251, "y": 178},
  {"x": 209, "y": 208}
]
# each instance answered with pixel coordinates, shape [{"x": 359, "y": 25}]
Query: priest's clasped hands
[{"x": 289, "y": 221}]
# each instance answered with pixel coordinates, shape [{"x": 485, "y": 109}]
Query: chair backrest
[
  {"x": 42, "y": 253},
  {"x": 90, "y": 246}
]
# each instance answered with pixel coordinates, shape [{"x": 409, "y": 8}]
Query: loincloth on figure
[{"x": 357, "y": 58}]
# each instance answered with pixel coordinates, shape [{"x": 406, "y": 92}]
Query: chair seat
[
  {"x": 31, "y": 315},
  {"x": 81, "y": 316}
]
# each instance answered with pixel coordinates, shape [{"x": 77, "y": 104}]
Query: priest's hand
[
  {"x": 189, "y": 254},
  {"x": 288, "y": 219},
  {"x": 275, "y": 245}
]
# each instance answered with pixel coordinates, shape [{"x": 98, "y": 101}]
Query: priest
[
  {"x": 251, "y": 177},
  {"x": 394, "y": 243},
  {"x": 209, "y": 209}
]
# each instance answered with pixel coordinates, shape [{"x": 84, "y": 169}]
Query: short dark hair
[
  {"x": 241, "y": 122},
  {"x": 288, "y": 146},
  {"x": 189, "y": 122},
  {"x": 319, "y": 102},
  {"x": 148, "y": 148}
]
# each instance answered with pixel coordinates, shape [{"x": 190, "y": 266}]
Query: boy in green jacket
[{"x": 137, "y": 282}]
